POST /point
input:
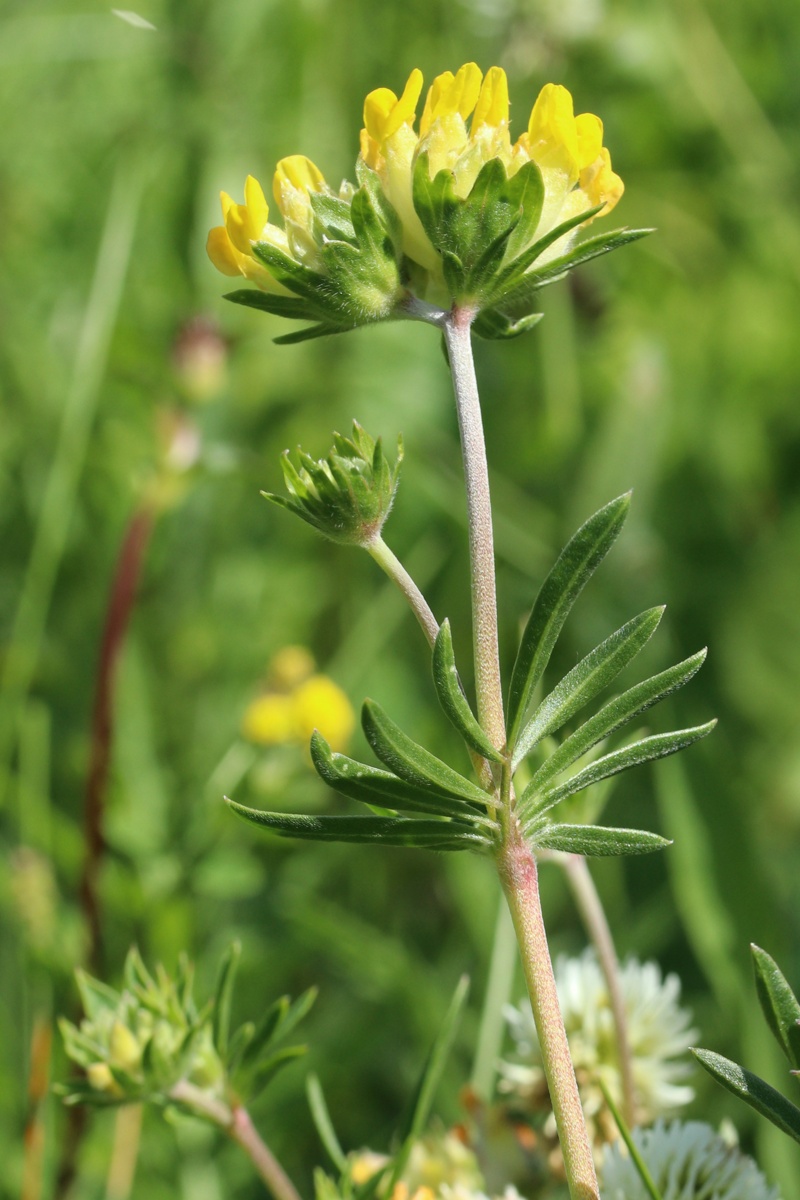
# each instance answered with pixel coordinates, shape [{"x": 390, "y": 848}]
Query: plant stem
[
  {"x": 515, "y": 862},
  {"x": 120, "y": 606},
  {"x": 519, "y": 877},
  {"x": 236, "y": 1122},
  {"x": 481, "y": 540},
  {"x": 391, "y": 564},
  {"x": 498, "y": 994},
  {"x": 590, "y": 907},
  {"x": 125, "y": 1153}
]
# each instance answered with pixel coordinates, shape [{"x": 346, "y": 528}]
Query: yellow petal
[
  {"x": 589, "y": 129},
  {"x": 238, "y": 227},
  {"x": 290, "y": 666},
  {"x": 227, "y": 203},
  {"x": 450, "y": 94},
  {"x": 601, "y": 184},
  {"x": 256, "y": 205},
  {"x": 552, "y": 135},
  {"x": 297, "y": 172},
  {"x": 405, "y": 110},
  {"x": 223, "y": 254},
  {"x": 377, "y": 107},
  {"x": 492, "y": 106}
]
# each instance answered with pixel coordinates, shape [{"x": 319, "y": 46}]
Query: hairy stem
[
  {"x": 593, "y": 915},
  {"x": 237, "y": 1124},
  {"x": 481, "y": 539},
  {"x": 519, "y": 877},
  {"x": 515, "y": 862},
  {"x": 391, "y": 564}
]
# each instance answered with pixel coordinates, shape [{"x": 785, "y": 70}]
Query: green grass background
[{"x": 672, "y": 366}]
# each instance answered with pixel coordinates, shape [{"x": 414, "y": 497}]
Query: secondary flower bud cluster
[
  {"x": 137, "y": 1043},
  {"x": 346, "y": 496}
]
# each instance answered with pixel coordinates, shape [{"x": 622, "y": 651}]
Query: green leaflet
[
  {"x": 426, "y": 1088},
  {"x": 309, "y": 333},
  {"x": 597, "y": 840},
  {"x": 267, "y": 1069},
  {"x": 308, "y": 284},
  {"x": 452, "y": 698},
  {"x": 391, "y": 831},
  {"x": 281, "y": 306},
  {"x": 370, "y": 785},
  {"x": 613, "y": 715},
  {"x": 753, "y": 1090},
  {"x": 492, "y": 325},
  {"x": 575, "y": 565},
  {"x": 514, "y": 272},
  {"x": 333, "y": 215},
  {"x": 323, "y": 1123},
  {"x": 658, "y": 746},
  {"x": 411, "y": 761},
  {"x": 584, "y": 252},
  {"x": 221, "y": 1012},
  {"x": 779, "y": 1004},
  {"x": 590, "y": 676}
]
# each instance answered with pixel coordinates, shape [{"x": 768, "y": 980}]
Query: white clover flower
[
  {"x": 659, "y": 1032},
  {"x": 688, "y": 1161}
]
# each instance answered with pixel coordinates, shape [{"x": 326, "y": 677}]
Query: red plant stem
[
  {"x": 120, "y": 605},
  {"x": 124, "y": 586}
]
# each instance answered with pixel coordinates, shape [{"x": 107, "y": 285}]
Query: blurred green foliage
[{"x": 672, "y": 367}]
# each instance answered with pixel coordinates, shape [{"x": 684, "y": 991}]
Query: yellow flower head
[
  {"x": 448, "y": 210},
  {"x": 299, "y": 701}
]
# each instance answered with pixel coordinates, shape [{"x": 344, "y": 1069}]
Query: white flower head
[
  {"x": 688, "y": 1161},
  {"x": 659, "y": 1032}
]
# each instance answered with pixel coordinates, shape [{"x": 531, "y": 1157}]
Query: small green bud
[
  {"x": 123, "y": 1048},
  {"x": 346, "y": 496}
]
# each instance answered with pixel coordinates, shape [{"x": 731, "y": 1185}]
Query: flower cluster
[
  {"x": 450, "y": 213},
  {"x": 659, "y": 1033},
  {"x": 139, "y": 1042},
  {"x": 687, "y": 1161}
]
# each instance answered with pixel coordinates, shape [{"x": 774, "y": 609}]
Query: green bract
[{"x": 346, "y": 496}]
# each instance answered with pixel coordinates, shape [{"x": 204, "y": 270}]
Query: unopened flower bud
[{"x": 346, "y": 496}]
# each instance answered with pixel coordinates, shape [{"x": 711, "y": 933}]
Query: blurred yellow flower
[{"x": 298, "y": 702}]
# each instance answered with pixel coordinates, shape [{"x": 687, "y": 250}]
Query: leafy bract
[
  {"x": 755, "y": 1091},
  {"x": 575, "y": 565},
  {"x": 597, "y": 840},
  {"x": 430, "y": 834},
  {"x": 779, "y": 1004},
  {"x": 452, "y": 698},
  {"x": 412, "y": 762},
  {"x": 590, "y": 676},
  {"x": 373, "y": 786},
  {"x": 534, "y": 802}
]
